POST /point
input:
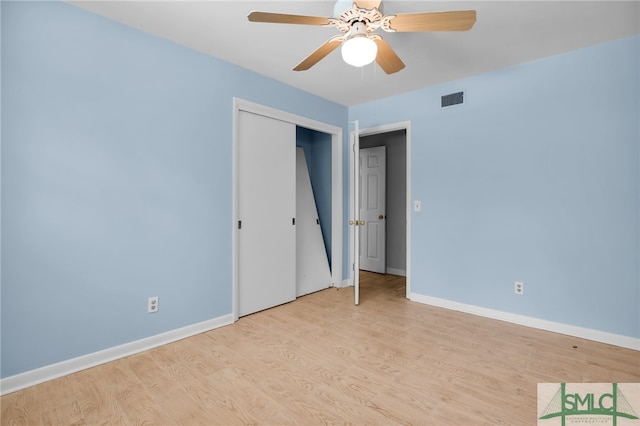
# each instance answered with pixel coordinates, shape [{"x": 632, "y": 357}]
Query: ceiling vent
[{"x": 452, "y": 99}]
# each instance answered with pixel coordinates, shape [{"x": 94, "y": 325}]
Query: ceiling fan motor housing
[
  {"x": 369, "y": 18},
  {"x": 358, "y": 28}
]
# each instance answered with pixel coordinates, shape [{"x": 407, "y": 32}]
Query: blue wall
[
  {"x": 116, "y": 181},
  {"x": 536, "y": 179}
]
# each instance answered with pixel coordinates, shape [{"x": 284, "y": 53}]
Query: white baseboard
[
  {"x": 53, "y": 371},
  {"x": 570, "y": 330}
]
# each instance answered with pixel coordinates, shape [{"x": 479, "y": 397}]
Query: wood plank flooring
[{"x": 321, "y": 360}]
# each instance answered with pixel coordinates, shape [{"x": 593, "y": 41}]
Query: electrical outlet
[
  {"x": 152, "y": 306},
  {"x": 519, "y": 287}
]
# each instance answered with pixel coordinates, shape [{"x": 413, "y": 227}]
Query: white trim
[
  {"x": 336, "y": 184},
  {"x": 556, "y": 327},
  {"x": 53, "y": 371},
  {"x": 351, "y": 277},
  {"x": 394, "y": 271},
  {"x": 337, "y": 204},
  {"x": 406, "y": 126}
]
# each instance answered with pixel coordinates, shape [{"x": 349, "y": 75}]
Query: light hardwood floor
[{"x": 322, "y": 360}]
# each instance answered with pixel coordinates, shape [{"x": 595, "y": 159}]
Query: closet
[{"x": 279, "y": 255}]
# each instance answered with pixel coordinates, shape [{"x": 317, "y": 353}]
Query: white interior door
[
  {"x": 266, "y": 203},
  {"x": 372, "y": 209},
  {"x": 354, "y": 212},
  {"x": 312, "y": 265}
]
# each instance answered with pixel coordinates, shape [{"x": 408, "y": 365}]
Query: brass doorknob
[
  {"x": 362, "y": 222},
  {"x": 351, "y": 222},
  {"x": 381, "y": 217}
]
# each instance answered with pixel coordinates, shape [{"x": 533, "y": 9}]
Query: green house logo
[{"x": 589, "y": 403}]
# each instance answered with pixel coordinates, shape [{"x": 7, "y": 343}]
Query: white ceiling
[{"x": 506, "y": 33}]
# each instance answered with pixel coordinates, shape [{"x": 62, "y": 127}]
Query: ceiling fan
[{"x": 360, "y": 44}]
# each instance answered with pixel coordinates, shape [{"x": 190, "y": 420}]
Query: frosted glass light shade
[{"x": 359, "y": 51}]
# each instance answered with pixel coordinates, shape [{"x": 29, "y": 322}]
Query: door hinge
[
  {"x": 293, "y": 220},
  {"x": 239, "y": 224}
]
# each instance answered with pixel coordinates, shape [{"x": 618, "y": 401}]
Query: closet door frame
[{"x": 336, "y": 186}]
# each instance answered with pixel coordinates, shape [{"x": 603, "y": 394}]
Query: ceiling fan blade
[
  {"x": 328, "y": 47},
  {"x": 367, "y": 4},
  {"x": 387, "y": 58},
  {"x": 461, "y": 20},
  {"x": 283, "y": 18}
]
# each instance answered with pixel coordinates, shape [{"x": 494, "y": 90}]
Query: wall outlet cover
[{"x": 153, "y": 305}]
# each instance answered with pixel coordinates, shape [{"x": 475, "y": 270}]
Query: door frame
[
  {"x": 336, "y": 185},
  {"x": 406, "y": 126}
]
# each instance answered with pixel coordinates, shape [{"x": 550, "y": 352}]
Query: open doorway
[
  {"x": 393, "y": 279},
  {"x": 317, "y": 149}
]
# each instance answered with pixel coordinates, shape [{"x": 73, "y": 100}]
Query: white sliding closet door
[
  {"x": 266, "y": 211},
  {"x": 312, "y": 265}
]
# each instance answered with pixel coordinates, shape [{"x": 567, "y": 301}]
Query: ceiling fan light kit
[
  {"x": 359, "y": 50},
  {"x": 360, "y": 45}
]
